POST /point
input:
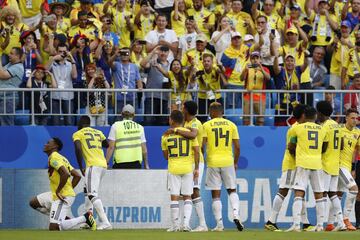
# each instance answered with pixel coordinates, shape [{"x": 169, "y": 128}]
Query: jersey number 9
[{"x": 313, "y": 136}]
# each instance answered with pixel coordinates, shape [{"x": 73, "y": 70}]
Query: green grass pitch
[{"x": 162, "y": 235}]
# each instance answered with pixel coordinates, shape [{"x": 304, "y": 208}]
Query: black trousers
[
  {"x": 204, "y": 105},
  {"x": 127, "y": 165}
]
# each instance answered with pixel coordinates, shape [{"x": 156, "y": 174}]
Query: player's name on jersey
[
  {"x": 312, "y": 127},
  {"x": 222, "y": 123}
]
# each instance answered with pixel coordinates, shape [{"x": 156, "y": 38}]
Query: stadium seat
[
  {"x": 236, "y": 115},
  {"x": 269, "y": 121},
  {"x": 22, "y": 119}
]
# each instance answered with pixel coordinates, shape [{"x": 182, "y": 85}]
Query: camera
[
  {"x": 273, "y": 32},
  {"x": 191, "y": 18},
  {"x": 124, "y": 53},
  {"x": 143, "y": 42},
  {"x": 255, "y": 65}
]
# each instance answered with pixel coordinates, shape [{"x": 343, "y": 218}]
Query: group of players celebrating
[
  {"x": 317, "y": 153},
  {"x": 323, "y": 155}
]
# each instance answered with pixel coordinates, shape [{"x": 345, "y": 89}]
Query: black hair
[
  {"x": 177, "y": 116},
  {"x": 299, "y": 110},
  {"x": 351, "y": 110},
  {"x": 58, "y": 142},
  {"x": 161, "y": 15},
  {"x": 216, "y": 106},
  {"x": 191, "y": 107},
  {"x": 18, "y": 51},
  {"x": 179, "y": 77},
  {"x": 325, "y": 108},
  {"x": 62, "y": 45},
  {"x": 330, "y": 87},
  {"x": 84, "y": 121},
  {"x": 310, "y": 112},
  {"x": 82, "y": 13}
]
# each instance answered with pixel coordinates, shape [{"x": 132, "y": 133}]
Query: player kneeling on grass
[
  {"x": 62, "y": 189},
  {"x": 42, "y": 203},
  {"x": 181, "y": 154}
]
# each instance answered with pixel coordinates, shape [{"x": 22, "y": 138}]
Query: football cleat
[
  {"x": 329, "y": 227},
  {"x": 106, "y": 226},
  {"x": 271, "y": 227},
  {"x": 308, "y": 228},
  {"x": 218, "y": 228},
  {"x": 238, "y": 224},
  {"x": 340, "y": 227},
  {"x": 173, "y": 229},
  {"x": 200, "y": 229},
  {"x": 90, "y": 220},
  {"x": 186, "y": 229},
  {"x": 294, "y": 228},
  {"x": 349, "y": 225}
]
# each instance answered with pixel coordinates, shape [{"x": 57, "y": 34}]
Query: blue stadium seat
[
  {"x": 82, "y": 111},
  {"x": 237, "y": 118},
  {"x": 269, "y": 121},
  {"x": 22, "y": 119}
]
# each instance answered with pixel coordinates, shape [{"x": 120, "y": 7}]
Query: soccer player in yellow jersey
[
  {"x": 88, "y": 146},
  {"x": 287, "y": 178},
  {"x": 221, "y": 139},
  {"x": 62, "y": 189},
  {"x": 196, "y": 131},
  {"x": 181, "y": 154},
  {"x": 350, "y": 142},
  {"x": 331, "y": 163},
  {"x": 307, "y": 142}
]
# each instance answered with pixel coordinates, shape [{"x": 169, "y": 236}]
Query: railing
[{"x": 251, "y": 104}]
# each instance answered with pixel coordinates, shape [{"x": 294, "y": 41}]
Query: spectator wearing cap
[
  {"x": 63, "y": 66},
  {"x": 86, "y": 6},
  {"x": 233, "y": 61},
  {"x": 239, "y": 20},
  {"x": 178, "y": 18},
  {"x": 352, "y": 100},
  {"x": 144, "y": 20},
  {"x": 126, "y": 75},
  {"x": 188, "y": 41},
  {"x": 324, "y": 24},
  {"x": 271, "y": 40},
  {"x": 127, "y": 142},
  {"x": 318, "y": 71},
  {"x": 31, "y": 12},
  {"x": 156, "y": 103},
  {"x": 273, "y": 18},
  {"x": 221, "y": 38},
  {"x": 41, "y": 78},
  {"x": 351, "y": 63},
  {"x": 122, "y": 21},
  {"x": 96, "y": 108},
  {"x": 196, "y": 53},
  {"x": 10, "y": 77},
  {"x": 288, "y": 78},
  {"x": 353, "y": 16},
  {"x": 103, "y": 53},
  {"x": 204, "y": 18},
  {"x": 60, "y": 10},
  {"x": 85, "y": 27},
  {"x": 340, "y": 48},
  {"x": 32, "y": 55},
  {"x": 161, "y": 36},
  {"x": 255, "y": 76},
  {"x": 11, "y": 26},
  {"x": 249, "y": 40}
]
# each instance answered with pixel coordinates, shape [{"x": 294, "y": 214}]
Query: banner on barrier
[{"x": 139, "y": 199}]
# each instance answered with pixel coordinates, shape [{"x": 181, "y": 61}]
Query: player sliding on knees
[
  {"x": 221, "y": 139},
  {"x": 62, "y": 189},
  {"x": 181, "y": 153},
  {"x": 196, "y": 131},
  {"x": 331, "y": 162},
  {"x": 88, "y": 146},
  {"x": 286, "y": 180},
  {"x": 307, "y": 142}
]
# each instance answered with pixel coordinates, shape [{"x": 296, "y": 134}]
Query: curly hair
[{"x": 6, "y": 11}]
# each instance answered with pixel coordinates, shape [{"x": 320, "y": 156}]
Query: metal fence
[{"x": 154, "y": 105}]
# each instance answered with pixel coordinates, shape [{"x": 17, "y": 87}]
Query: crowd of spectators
[{"x": 179, "y": 45}]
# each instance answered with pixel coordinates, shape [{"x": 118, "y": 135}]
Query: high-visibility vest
[{"x": 128, "y": 141}]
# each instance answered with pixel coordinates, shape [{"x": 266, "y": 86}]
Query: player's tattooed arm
[
  {"x": 105, "y": 144},
  {"x": 292, "y": 148}
]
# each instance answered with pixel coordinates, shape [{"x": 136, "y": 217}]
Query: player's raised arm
[
  {"x": 64, "y": 175},
  {"x": 76, "y": 178},
  {"x": 79, "y": 156}
]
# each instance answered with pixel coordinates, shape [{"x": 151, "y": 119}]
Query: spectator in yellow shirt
[
  {"x": 240, "y": 20},
  {"x": 274, "y": 21},
  {"x": 178, "y": 17},
  {"x": 61, "y": 9},
  {"x": 85, "y": 6},
  {"x": 144, "y": 20},
  {"x": 202, "y": 16}
]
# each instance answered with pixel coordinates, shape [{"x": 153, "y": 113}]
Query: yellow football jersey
[
  {"x": 91, "y": 145},
  {"x": 220, "y": 134},
  {"x": 350, "y": 140},
  {"x": 196, "y": 124},
  {"x": 288, "y": 162},
  {"x": 331, "y": 158},
  {"x": 180, "y": 152},
  {"x": 56, "y": 160},
  {"x": 309, "y": 138}
]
